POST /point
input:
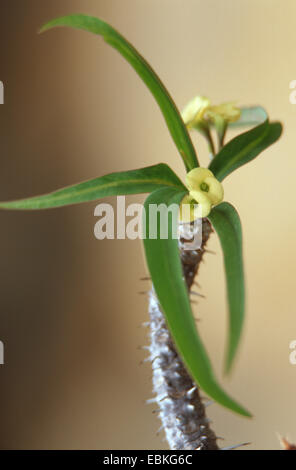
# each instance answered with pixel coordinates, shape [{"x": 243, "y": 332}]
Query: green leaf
[
  {"x": 144, "y": 180},
  {"x": 244, "y": 148},
  {"x": 170, "y": 112},
  {"x": 165, "y": 267},
  {"x": 226, "y": 222},
  {"x": 250, "y": 116}
]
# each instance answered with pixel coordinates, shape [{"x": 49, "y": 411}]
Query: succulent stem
[{"x": 178, "y": 399}]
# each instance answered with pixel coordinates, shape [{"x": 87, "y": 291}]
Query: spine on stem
[{"x": 180, "y": 406}]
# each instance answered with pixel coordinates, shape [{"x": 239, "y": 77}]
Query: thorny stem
[{"x": 179, "y": 403}]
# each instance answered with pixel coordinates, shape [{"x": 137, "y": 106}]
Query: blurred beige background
[{"x": 69, "y": 304}]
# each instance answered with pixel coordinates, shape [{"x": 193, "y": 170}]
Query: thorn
[
  {"x": 159, "y": 430},
  {"x": 286, "y": 444},
  {"x": 210, "y": 251},
  {"x": 144, "y": 361},
  {"x": 203, "y": 398},
  {"x": 144, "y": 325},
  {"x": 157, "y": 368},
  {"x": 190, "y": 392},
  {"x": 156, "y": 411},
  {"x": 164, "y": 367},
  {"x": 154, "y": 359},
  {"x": 166, "y": 397},
  {"x": 189, "y": 433},
  {"x": 207, "y": 421},
  {"x": 194, "y": 302},
  {"x": 193, "y": 438},
  {"x": 143, "y": 348},
  {"x": 236, "y": 446},
  {"x": 150, "y": 401},
  {"x": 198, "y": 294},
  {"x": 145, "y": 278},
  {"x": 209, "y": 403},
  {"x": 197, "y": 284},
  {"x": 143, "y": 292},
  {"x": 190, "y": 407}
]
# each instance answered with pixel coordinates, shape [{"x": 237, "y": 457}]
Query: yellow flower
[
  {"x": 226, "y": 111},
  {"x": 199, "y": 110},
  {"x": 189, "y": 210},
  {"x": 194, "y": 111},
  {"x": 204, "y": 190}
]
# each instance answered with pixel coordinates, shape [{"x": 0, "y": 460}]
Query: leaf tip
[
  {"x": 231, "y": 355},
  {"x": 279, "y": 127},
  {"x": 247, "y": 414},
  {"x": 241, "y": 410},
  {"x": 45, "y": 27},
  {"x": 60, "y": 21},
  {"x": 229, "y": 361}
]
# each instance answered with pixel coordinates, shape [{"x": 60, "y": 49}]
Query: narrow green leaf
[
  {"x": 226, "y": 222},
  {"x": 250, "y": 116},
  {"x": 244, "y": 148},
  {"x": 170, "y": 112},
  {"x": 165, "y": 267},
  {"x": 144, "y": 180}
]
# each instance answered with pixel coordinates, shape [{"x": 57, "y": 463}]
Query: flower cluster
[
  {"x": 200, "y": 111},
  {"x": 205, "y": 191}
]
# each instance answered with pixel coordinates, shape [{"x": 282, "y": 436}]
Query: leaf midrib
[
  {"x": 71, "y": 194},
  {"x": 245, "y": 150}
]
